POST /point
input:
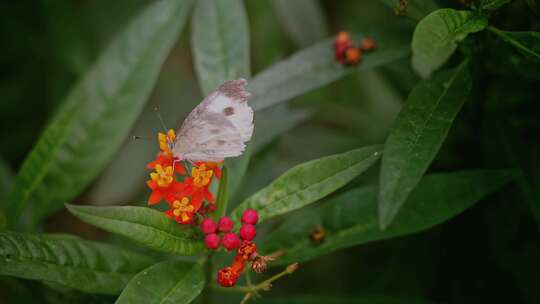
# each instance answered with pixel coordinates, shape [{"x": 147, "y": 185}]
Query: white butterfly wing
[{"x": 218, "y": 127}]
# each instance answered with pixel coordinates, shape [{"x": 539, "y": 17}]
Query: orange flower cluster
[
  {"x": 185, "y": 197},
  {"x": 348, "y": 54}
]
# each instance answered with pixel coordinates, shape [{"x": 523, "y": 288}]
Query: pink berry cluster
[{"x": 220, "y": 233}]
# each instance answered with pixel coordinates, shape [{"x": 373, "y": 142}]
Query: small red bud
[
  {"x": 211, "y": 207},
  {"x": 211, "y": 241},
  {"x": 225, "y": 224},
  {"x": 250, "y": 216},
  {"x": 208, "y": 226},
  {"x": 248, "y": 232},
  {"x": 231, "y": 241}
]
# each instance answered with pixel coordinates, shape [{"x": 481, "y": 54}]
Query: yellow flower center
[
  {"x": 201, "y": 176},
  {"x": 163, "y": 177},
  {"x": 166, "y": 141},
  {"x": 183, "y": 209}
]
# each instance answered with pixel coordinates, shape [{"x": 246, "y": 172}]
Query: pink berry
[
  {"x": 231, "y": 241},
  {"x": 248, "y": 232},
  {"x": 250, "y": 216},
  {"x": 211, "y": 241},
  {"x": 225, "y": 224},
  {"x": 208, "y": 226}
]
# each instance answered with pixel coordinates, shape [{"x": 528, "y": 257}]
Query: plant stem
[{"x": 222, "y": 196}]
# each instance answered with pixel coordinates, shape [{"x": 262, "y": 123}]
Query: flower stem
[{"x": 222, "y": 197}]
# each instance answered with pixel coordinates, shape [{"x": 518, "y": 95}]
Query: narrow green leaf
[
  {"x": 222, "y": 197},
  {"x": 311, "y": 27},
  {"x": 316, "y": 66},
  {"x": 342, "y": 299},
  {"x": 351, "y": 218},
  {"x": 97, "y": 114},
  {"x": 6, "y": 180},
  {"x": 220, "y": 40},
  {"x": 168, "y": 282},
  {"x": 492, "y": 4},
  {"x": 83, "y": 265},
  {"x": 141, "y": 224},
  {"x": 309, "y": 182},
  {"x": 527, "y": 43},
  {"x": 436, "y": 36},
  {"x": 419, "y": 131}
]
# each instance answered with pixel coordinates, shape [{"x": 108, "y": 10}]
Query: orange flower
[
  {"x": 165, "y": 160},
  {"x": 215, "y": 167},
  {"x": 166, "y": 142},
  {"x": 182, "y": 211}
]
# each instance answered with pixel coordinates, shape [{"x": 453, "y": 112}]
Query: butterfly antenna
[{"x": 156, "y": 110}]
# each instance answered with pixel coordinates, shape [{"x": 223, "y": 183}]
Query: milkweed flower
[{"x": 182, "y": 211}]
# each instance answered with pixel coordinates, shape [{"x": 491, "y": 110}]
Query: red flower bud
[
  {"x": 353, "y": 56},
  {"x": 248, "y": 232},
  {"x": 227, "y": 277},
  {"x": 250, "y": 216},
  {"x": 208, "y": 226},
  {"x": 231, "y": 241},
  {"x": 225, "y": 224},
  {"x": 211, "y": 241}
]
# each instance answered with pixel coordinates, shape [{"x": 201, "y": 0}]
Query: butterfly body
[{"x": 218, "y": 127}]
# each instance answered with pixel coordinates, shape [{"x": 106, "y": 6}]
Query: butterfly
[{"x": 218, "y": 127}]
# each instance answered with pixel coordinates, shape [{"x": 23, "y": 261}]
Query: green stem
[{"x": 222, "y": 197}]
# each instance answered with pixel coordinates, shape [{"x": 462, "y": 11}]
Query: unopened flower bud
[
  {"x": 225, "y": 224},
  {"x": 248, "y": 232},
  {"x": 208, "y": 226},
  {"x": 211, "y": 241},
  {"x": 250, "y": 216}
]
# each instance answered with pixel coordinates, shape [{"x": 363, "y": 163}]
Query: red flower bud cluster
[
  {"x": 348, "y": 54},
  {"x": 219, "y": 234},
  {"x": 246, "y": 250}
]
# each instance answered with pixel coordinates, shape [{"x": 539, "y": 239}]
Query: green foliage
[
  {"x": 220, "y": 41},
  {"x": 492, "y": 4},
  {"x": 141, "y": 224},
  {"x": 351, "y": 218},
  {"x": 527, "y": 43},
  {"x": 83, "y": 265},
  {"x": 436, "y": 36},
  {"x": 96, "y": 115},
  {"x": 168, "y": 282},
  {"x": 315, "y": 66},
  {"x": 418, "y": 133},
  {"x": 311, "y": 27},
  {"x": 308, "y": 183},
  {"x": 534, "y": 5}
]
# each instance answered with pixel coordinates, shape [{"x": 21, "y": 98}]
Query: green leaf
[
  {"x": 97, "y": 114},
  {"x": 141, "y": 224},
  {"x": 415, "y": 9},
  {"x": 527, "y": 43},
  {"x": 351, "y": 218},
  {"x": 492, "y": 4},
  {"x": 417, "y": 135},
  {"x": 316, "y": 66},
  {"x": 168, "y": 282},
  {"x": 6, "y": 179},
  {"x": 436, "y": 36},
  {"x": 83, "y": 265},
  {"x": 309, "y": 182},
  {"x": 342, "y": 299},
  {"x": 311, "y": 27},
  {"x": 220, "y": 40}
]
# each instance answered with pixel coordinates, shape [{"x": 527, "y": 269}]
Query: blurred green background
[{"x": 489, "y": 253}]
